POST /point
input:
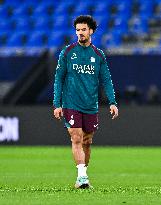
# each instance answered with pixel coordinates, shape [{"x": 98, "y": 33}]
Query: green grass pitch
[{"x": 46, "y": 175}]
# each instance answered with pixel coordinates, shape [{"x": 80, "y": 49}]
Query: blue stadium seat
[
  {"x": 55, "y": 3},
  {"x": 25, "y": 8},
  {"x": 61, "y": 9},
  {"x": 118, "y": 2},
  {"x": 158, "y": 2},
  {"x": 123, "y": 5},
  {"x": 75, "y": 15},
  {"x": 102, "y": 7},
  {"x": 124, "y": 13},
  {"x": 35, "y": 39},
  {"x": 3, "y": 37},
  {"x": 41, "y": 23},
  {"x": 113, "y": 40},
  {"x": 6, "y": 25},
  {"x": 120, "y": 25},
  {"x": 81, "y": 6},
  {"x": 116, "y": 34},
  {"x": 20, "y": 10},
  {"x": 102, "y": 20},
  {"x": 9, "y": 2},
  {"x": 59, "y": 21},
  {"x": 72, "y": 35},
  {"x": 3, "y": 11},
  {"x": 31, "y": 5},
  {"x": 70, "y": 3},
  {"x": 55, "y": 18},
  {"x": 107, "y": 2},
  {"x": 139, "y": 26},
  {"x": 112, "y": 43},
  {"x": 56, "y": 39},
  {"x": 97, "y": 42},
  {"x": 146, "y": 8},
  {"x": 35, "y": 1},
  {"x": 145, "y": 1},
  {"x": 97, "y": 38},
  {"x": 44, "y": 8},
  {"x": 145, "y": 16},
  {"x": 15, "y": 39},
  {"x": 22, "y": 23}
]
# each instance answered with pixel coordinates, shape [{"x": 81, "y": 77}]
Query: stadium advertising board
[
  {"x": 9, "y": 129},
  {"x": 35, "y": 125}
]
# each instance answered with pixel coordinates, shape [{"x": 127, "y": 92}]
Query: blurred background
[{"x": 32, "y": 34}]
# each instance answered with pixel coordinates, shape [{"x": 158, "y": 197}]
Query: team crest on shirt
[{"x": 93, "y": 60}]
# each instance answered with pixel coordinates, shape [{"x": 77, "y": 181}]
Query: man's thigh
[
  {"x": 89, "y": 123},
  {"x": 72, "y": 118}
]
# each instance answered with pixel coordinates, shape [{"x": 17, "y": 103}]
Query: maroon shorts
[{"x": 77, "y": 119}]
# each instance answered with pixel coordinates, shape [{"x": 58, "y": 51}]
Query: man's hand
[
  {"x": 58, "y": 113},
  {"x": 114, "y": 111}
]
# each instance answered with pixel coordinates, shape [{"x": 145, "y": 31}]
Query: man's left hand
[{"x": 114, "y": 111}]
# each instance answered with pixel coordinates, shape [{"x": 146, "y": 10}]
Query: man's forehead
[{"x": 81, "y": 26}]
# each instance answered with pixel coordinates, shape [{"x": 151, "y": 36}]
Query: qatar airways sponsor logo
[{"x": 84, "y": 68}]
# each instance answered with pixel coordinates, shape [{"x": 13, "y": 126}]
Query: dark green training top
[{"x": 78, "y": 73}]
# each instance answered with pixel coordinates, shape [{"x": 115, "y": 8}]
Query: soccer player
[{"x": 81, "y": 67}]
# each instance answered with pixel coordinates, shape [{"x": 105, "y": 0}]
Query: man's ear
[{"x": 91, "y": 31}]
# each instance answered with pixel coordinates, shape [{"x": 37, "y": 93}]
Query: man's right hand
[{"x": 58, "y": 113}]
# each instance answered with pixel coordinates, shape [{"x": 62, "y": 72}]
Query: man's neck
[{"x": 85, "y": 44}]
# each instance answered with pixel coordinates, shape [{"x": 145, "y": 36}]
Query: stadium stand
[
  {"x": 31, "y": 27},
  {"x": 124, "y": 25}
]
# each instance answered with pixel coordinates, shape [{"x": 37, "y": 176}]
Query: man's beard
[{"x": 83, "y": 41}]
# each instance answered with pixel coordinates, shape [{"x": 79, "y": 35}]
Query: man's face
[{"x": 83, "y": 32}]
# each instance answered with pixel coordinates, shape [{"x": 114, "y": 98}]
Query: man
[{"x": 80, "y": 68}]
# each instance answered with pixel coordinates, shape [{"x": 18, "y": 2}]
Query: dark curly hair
[{"x": 88, "y": 20}]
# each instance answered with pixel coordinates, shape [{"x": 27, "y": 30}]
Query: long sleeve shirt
[{"x": 79, "y": 71}]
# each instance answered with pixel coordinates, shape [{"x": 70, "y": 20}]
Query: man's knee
[
  {"x": 76, "y": 135},
  {"x": 87, "y": 141},
  {"x": 87, "y": 138}
]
